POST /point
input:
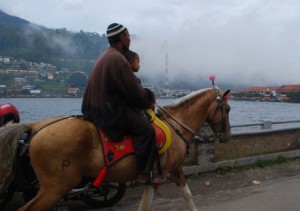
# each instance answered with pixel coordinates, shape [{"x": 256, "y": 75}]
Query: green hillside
[{"x": 21, "y": 39}]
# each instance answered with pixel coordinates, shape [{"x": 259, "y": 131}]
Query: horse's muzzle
[{"x": 225, "y": 137}]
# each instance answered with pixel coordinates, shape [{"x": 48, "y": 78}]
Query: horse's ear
[{"x": 225, "y": 95}]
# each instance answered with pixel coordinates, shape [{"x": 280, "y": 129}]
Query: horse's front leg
[
  {"x": 147, "y": 198},
  {"x": 179, "y": 179}
]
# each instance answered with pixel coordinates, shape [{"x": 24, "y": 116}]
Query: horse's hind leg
[
  {"x": 178, "y": 177},
  {"x": 44, "y": 200}
]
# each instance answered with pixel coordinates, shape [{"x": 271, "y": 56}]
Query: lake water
[{"x": 242, "y": 112}]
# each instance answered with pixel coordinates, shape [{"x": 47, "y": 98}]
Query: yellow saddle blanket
[{"x": 163, "y": 134}]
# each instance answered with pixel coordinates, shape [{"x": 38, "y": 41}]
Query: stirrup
[{"x": 144, "y": 178}]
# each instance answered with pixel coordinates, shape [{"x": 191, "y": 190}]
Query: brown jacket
[{"x": 112, "y": 87}]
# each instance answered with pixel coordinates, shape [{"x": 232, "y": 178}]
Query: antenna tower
[{"x": 166, "y": 76}]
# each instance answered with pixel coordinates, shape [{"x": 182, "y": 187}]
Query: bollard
[{"x": 266, "y": 125}]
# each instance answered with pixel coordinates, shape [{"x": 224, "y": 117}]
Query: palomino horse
[{"x": 65, "y": 150}]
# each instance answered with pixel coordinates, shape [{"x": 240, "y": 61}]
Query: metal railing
[{"x": 265, "y": 125}]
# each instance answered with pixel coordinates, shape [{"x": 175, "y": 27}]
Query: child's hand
[{"x": 152, "y": 106}]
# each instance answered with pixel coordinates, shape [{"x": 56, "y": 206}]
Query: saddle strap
[{"x": 158, "y": 164}]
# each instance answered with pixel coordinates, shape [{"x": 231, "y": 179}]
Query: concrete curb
[{"x": 211, "y": 166}]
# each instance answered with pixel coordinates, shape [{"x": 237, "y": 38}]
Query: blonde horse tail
[{"x": 9, "y": 136}]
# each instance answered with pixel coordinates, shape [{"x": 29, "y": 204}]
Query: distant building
[
  {"x": 282, "y": 97},
  {"x": 73, "y": 91},
  {"x": 50, "y": 76},
  {"x": 5, "y": 59},
  {"x": 35, "y": 91},
  {"x": 20, "y": 80},
  {"x": 260, "y": 89},
  {"x": 2, "y": 89},
  {"x": 28, "y": 87},
  {"x": 269, "y": 93},
  {"x": 289, "y": 88},
  {"x": 12, "y": 71}
]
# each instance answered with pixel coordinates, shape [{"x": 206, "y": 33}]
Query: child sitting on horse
[{"x": 134, "y": 62}]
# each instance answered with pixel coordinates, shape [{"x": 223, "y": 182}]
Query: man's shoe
[{"x": 159, "y": 180}]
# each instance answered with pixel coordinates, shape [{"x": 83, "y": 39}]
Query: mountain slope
[
  {"x": 24, "y": 40},
  {"x": 11, "y": 21}
]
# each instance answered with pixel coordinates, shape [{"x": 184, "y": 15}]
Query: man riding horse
[{"x": 113, "y": 97}]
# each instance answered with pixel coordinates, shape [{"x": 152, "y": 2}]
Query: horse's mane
[{"x": 190, "y": 98}]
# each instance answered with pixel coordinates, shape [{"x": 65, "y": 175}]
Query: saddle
[{"x": 114, "y": 151}]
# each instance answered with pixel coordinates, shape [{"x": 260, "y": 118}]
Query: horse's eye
[{"x": 227, "y": 109}]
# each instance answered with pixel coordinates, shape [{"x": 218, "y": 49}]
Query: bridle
[
  {"x": 220, "y": 105},
  {"x": 218, "y": 136}
]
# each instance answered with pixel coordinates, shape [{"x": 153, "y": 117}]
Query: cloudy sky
[{"x": 249, "y": 42}]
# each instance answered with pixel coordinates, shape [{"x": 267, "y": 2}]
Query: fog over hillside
[{"x": 245, "y": 43}]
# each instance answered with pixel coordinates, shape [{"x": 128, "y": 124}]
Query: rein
[
  {"x": 181, "y": 124},
  {"x": 188, "y": 153}
]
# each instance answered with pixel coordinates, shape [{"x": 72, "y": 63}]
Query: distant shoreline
[
  {"x": 66, "y": 97},
  {"x": 272, "y": 101}
]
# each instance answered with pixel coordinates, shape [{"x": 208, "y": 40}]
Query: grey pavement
[
  {"x": 279, "y": 195},
  {"x": 275, "y": 195}
]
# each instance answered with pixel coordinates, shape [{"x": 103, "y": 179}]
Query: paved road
[
  {"x": 281, "y": 195},
  {"x": 274, "y": 195}
]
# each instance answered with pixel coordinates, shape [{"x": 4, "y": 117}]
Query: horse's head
[{"x": 218, "y": 115}]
